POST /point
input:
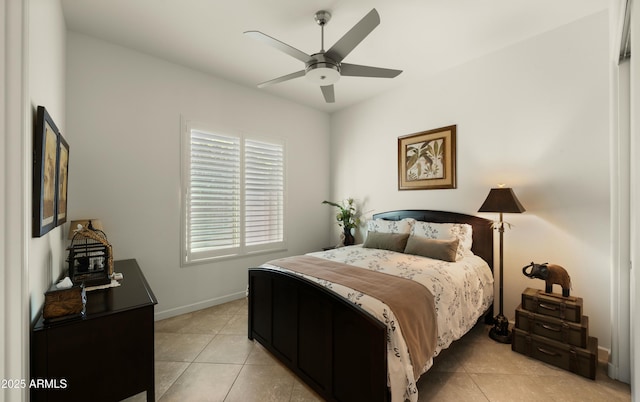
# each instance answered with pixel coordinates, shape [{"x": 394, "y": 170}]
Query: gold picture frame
[{"x": 427, "y": 160}]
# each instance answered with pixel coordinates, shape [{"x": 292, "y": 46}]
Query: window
[{"x": 233, "y": 194}]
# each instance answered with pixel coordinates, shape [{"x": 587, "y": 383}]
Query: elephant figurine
[{"x": 551, "y": 274}]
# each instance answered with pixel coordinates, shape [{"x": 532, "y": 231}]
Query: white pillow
[
  {"x": 446, "y": 231},
  {"x": 403, "y": 226}
]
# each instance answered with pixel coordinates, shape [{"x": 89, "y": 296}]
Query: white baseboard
[
  {"x": 161, "y": 315},
  {"x": 603, "y": 354}
]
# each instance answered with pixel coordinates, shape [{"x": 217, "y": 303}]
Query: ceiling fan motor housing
[
  {"x": 322, "y": 70},
  {"x": 322, "y": 17}
]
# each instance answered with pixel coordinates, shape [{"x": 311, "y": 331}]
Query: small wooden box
[
  {"x": 64, "y": 303},
  {"x": 577, "y": 360},
  {"x": 565, "y": 308},
  {"x": 575, "y": 334}
]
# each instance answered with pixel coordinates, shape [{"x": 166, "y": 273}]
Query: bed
[{"x": 346, "y": 344}]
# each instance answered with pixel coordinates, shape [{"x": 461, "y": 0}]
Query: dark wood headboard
[{"x": 482, "y": 231}]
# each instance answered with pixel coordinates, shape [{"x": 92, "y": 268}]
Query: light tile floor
[{"x": 206, "y": 356}]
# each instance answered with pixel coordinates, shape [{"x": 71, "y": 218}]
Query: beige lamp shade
[{"x": 95, "y": 223}]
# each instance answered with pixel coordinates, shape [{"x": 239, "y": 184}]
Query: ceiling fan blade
[
  {"x": 287, "y": 77},
  {"x": 327, "y": 91},
  {"x": 351, "y": 39},
  {"x": 283, "y": 47},
  {"x": 355, "y": 70}
]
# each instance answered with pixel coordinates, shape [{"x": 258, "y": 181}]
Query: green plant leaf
[{"x": 332, "y": 204}]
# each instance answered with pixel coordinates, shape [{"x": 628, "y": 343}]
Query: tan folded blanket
[{"x": 410, "y": 301}]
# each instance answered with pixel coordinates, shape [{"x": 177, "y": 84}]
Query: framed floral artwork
[{"x": 427, "y": 160}]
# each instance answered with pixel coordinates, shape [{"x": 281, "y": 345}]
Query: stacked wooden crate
[{"x": 553, "y": 329}]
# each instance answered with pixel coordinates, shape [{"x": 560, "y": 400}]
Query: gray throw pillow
[
  {"x": 444, "y": 250},
  {"x": 386, "y": 241}
]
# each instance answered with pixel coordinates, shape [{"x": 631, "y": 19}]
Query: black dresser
[{"x": 106, "y": 356}]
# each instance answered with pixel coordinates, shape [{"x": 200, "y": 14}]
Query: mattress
[{"x": 463, "y": 290}]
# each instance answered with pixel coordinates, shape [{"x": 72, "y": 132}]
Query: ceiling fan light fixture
[
  {"x": 323, "y": 74},
  {"x": 325, "y": 67}
]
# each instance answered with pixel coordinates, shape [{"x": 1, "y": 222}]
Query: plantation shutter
[
  {"x": 233, "y": 194},
  {"x": 264, "y": 193},
  {"x": 213, "y": 213}
]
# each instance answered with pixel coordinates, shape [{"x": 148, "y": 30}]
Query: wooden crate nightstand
[{"x": 553, "y": 329}]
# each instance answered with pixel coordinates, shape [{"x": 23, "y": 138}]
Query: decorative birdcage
[{"x": 90, "y": 257}]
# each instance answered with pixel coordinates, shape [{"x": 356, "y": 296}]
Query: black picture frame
[
  {"x": 45, "y": 164},
  {"x": 62, "y": 180}
]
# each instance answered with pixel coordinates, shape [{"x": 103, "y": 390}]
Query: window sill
[{"x": 211, "y": 260}]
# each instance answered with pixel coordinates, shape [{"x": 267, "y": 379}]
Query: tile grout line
[
  {"x": 190, "y": 363},
  {"x": 205, "y": 346},
  {"x": 174, "y": 381},
  {"x": 468, "y": 374},
  {"x": 243, "y": 366}
]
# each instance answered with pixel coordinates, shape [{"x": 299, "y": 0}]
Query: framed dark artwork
[
  {"x": 427, "y": 160},
  {"x": 62, "y": 180},
  {"x": 45, "y": 164}
]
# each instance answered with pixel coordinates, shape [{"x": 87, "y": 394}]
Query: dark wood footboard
[{"x": 337, "y": 348}]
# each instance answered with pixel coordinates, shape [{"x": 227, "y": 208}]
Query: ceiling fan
[{"x": 326, "y": 67}]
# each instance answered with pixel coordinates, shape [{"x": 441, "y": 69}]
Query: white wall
[
  {"x": 619, "y": 359},
  {"x": 635, "y": 200},
  {"x": 123, "y": 116},
  {"x": 32, "y": 54},
  {"x": 47, "y": 37},
  {"x": 533, "y": 116},
  {"x": 14, "y": 306}
]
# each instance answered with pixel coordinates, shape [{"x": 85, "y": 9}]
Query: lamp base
[{"x": 500, "y": 331}]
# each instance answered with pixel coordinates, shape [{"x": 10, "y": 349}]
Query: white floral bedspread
[{"x": 462, "y": 290}]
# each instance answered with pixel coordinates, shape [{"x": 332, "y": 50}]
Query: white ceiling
[{"x": 420, "y": 37}]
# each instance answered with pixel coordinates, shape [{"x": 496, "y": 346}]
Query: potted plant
[{"x": 347, "y": 217}]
